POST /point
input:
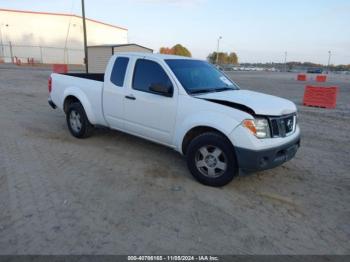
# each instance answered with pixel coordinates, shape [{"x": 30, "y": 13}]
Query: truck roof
[{"x": 150, "y": 55}]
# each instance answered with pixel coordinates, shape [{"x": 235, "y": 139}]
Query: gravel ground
[{"x": 117, "y": 194}]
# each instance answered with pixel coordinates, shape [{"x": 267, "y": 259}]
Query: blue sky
[{"x": 259, "y": 31}]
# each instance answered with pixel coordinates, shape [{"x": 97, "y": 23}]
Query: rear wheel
[
  {"x": 77, "y": 121},
  {"x": 211, "y": 159}
]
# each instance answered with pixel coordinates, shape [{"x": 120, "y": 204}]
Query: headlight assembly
[{"x": 258, "y": 127}]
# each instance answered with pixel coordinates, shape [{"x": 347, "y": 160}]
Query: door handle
[{"x": 131, "y": 97}]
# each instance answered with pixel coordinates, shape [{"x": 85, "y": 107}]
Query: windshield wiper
[
  {"x": 220, "y": 89},
  {"x": 223, "y": 89},
  {"x": 197, "y": 91}
]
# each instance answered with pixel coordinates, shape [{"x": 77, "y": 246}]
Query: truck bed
[
  {"x": 87, "y": 87},
  {"x": 96, "y": 77}
]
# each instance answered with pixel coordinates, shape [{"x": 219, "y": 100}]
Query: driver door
[{"x": 149, "y": 114}]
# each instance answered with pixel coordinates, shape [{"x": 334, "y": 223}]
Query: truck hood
[{"x": 252, "y": 102}]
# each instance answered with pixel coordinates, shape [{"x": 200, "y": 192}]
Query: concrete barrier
[{"x": 325, "y": 97}]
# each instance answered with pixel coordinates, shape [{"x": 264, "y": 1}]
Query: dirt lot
[{"x": 117, "y": 194}]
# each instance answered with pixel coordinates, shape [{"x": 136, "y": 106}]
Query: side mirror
[{"x": 162, "y": 90}]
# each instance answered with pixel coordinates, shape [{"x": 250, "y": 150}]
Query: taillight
[{"x": 49, "y": 84}]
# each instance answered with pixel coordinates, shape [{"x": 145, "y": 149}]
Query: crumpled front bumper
[{"x": 257, "y": 160}]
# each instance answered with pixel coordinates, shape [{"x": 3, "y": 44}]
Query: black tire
[
  {"x": 210, "y": 142},
  {"x": 86, "y": 128}
]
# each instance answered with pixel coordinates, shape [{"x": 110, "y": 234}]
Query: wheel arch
[
  {"x": 196, "y": 131},
  {"x": 72, "y": 96},
  {"x": 70, "y": 99}
]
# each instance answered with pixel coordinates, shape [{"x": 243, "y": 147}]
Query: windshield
[{"x": 199, "y": 76}]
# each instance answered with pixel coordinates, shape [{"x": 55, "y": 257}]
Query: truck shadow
[
  {"x": 157, "y": 160},
  {"x": 161, "y": 160}
]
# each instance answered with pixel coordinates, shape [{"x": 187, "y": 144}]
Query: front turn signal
[{"x": 249, "y": 124}]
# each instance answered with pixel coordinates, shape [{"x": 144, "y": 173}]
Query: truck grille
[{"x": 283, "y": 125}]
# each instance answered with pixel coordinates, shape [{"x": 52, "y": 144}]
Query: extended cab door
[
  {"x": 114, "y": 92},
  {"x": 148, "y": 113}
]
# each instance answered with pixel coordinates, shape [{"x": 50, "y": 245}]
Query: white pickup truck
[{"x": 185, "y": 104}]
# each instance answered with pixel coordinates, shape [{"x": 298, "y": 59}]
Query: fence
[{"x": 40, "y": 54}]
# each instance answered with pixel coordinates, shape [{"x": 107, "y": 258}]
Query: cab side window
[
  {"x": 148, "y": 73},
  {"x": 119, "y": 70}
]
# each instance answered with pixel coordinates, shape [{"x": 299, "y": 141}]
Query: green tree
[
  {"x": 233, "y": 58},
  {"x": 176, "y": 50},
  {"x": 181, "y": 50},
  {"x": 212, "y": 57},
  {"x": 223, "y": 58}
]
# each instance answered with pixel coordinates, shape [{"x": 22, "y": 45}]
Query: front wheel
[{"x": 211, "y": 159}]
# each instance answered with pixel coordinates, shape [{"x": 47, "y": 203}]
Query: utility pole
[
  {"x": 85, "y": 39},
  {"x": 285, "y": 61},
  {"x": 329, "y": 61},
  {"x": 217, "y": 53}
]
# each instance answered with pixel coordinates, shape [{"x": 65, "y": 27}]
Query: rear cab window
[{"x": 119, "y": 71}]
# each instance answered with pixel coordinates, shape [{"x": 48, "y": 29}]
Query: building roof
[
  {"x": 120, "y": 45},
  {"x": 60, "y": 14}
]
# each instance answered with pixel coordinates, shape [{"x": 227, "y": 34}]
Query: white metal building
[
  {"x": 52, "y": 37},
  {"x": 98, "y": 56}
]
